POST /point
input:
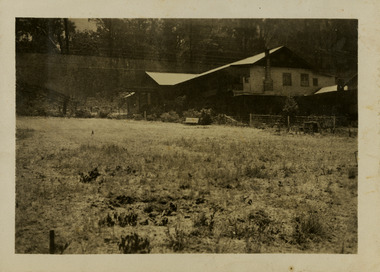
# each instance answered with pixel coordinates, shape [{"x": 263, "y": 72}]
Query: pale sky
[{"x": 83, "y": 24}]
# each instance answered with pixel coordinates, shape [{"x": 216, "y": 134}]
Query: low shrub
[
  {"x": 206, "y": 117},
  {"x": 191, "y": 113},
  {"x": 133, "y": 243},
  {"x": 178, "y": 240},
  {"x": 308, "y": 227},
  {"x": 171, "y": 117},
  {"x": 256, "y": 172},
  {"x": 103, "y": 114},
  {"x": 152, "y": 117},
  {"x": 220, "y": 119},
  {"x": 257, "y": 227},
  {"x": 205, "y": 222},
  {"x": 352, "y": 172},
  {"x": 83, "y": 113},
  {"x": 118, "y": 116},
  {"x": 122, "y": 219},
  {"x": 90, "y": 176},
  {"x": 137, "y": 117}
]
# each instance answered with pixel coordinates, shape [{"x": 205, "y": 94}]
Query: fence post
[
  {"x": 251, "y": 120},
  {"x": 52, "y": 244},
  {"x": 334, "y": 124},
  {"x": 145, "y": 115},
  {"x": 288, "y": 123}
]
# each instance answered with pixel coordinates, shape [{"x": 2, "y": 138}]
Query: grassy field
[{"x": 138, "y": 187}]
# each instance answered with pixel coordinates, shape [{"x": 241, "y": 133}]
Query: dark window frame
[
  {"x": 305, "y": 81},
  {"x": 286, "y": 79}
]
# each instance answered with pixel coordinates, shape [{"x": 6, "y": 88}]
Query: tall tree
[{"x": 42, "y": 35}]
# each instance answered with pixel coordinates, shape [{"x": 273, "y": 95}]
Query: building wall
[{"x": 257, "y": 75}]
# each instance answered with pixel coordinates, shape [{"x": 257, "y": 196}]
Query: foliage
[
  {"x": 130, "y": 244},
  {"x": 81, "y": 113},
  {"x": 178, "y": 240},
  {"x": 42, "y": 35},
  {"x": 206, "y": 222},
  {"x": 103, "y": 114},
  {"x": 191, "y": 113},
  {"x": 171, "y": 117},
  {"x": 90, "y": 176},
  {"x": 290, "y": 106},
  {"x": 206, "y": 117},
  {"x": 122, "y": 219},
  {"x": 209, "y": 41},
  {"x": 352, "y": 172},
  {"x": 308, "y": 227},
  {"x": 256, "y": 172}
]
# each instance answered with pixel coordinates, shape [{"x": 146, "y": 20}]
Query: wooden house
[{"x": 276, "y": 72}]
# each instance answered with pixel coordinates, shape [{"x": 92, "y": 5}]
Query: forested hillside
[{"x": 330, "y": 45}]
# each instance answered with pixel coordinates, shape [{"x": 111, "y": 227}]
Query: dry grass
[{"x": 174, "y": 188}]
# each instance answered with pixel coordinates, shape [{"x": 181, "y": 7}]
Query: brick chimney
[{"x": 268, "y": 82}]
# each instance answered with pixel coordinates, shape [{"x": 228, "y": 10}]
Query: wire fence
[{"x": 322, "y": 122}]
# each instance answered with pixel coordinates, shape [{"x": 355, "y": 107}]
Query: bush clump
[
  {"x": 90, "y": 176},
  {"x": 171, "y": 117},
  {"x": 191, "y": 113},
  {"x": 178, "y": 240},
  {"x": 308, "y": 227},
  {"x": 122, "y": 219},
  {"x": 133, "y": 243},
  {"x": 83, "y": 113},
  {"x": 206, "y": 117},
  {"x": 256, "y": 172},
  {"x": 103, "y": 114}
]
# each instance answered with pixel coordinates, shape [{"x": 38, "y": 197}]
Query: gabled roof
[
  {"x": 170, "y": 79},
  {"x": 177, "y": 78},
  {"x": 246, "y": 61}
]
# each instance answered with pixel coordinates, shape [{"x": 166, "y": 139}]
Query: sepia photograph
[
  {"x": 149, "y": 135},
  {"x": 161, "y": 135}
]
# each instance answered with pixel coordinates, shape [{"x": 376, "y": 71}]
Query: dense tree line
[{"x": 329, "y": 45}]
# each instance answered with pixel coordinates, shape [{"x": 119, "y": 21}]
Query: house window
[
  {"x": 305, "y": 80},
  {"x": 315, "y": 81},
  {"x": 246, "y": 79},
  {"x": 286, "y": 79}
]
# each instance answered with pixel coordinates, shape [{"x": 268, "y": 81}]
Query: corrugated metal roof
[
  {"x": 256, "y": 58},
  {"x": 328, "y": 89},
  {"x": 176, "y": 78},
  {"x": 170, "y": 78},
  {"x": 249, "y": 60}
]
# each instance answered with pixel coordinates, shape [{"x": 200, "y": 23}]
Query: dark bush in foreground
[
  {"x": 178, "y": 240},
  {"x": 308, "y": 227},
  {"x": 90, "y": 176},
  {"x": 130, "y": 244}
]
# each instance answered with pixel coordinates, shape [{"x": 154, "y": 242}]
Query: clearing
[{"x": 138, "y": 187}]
